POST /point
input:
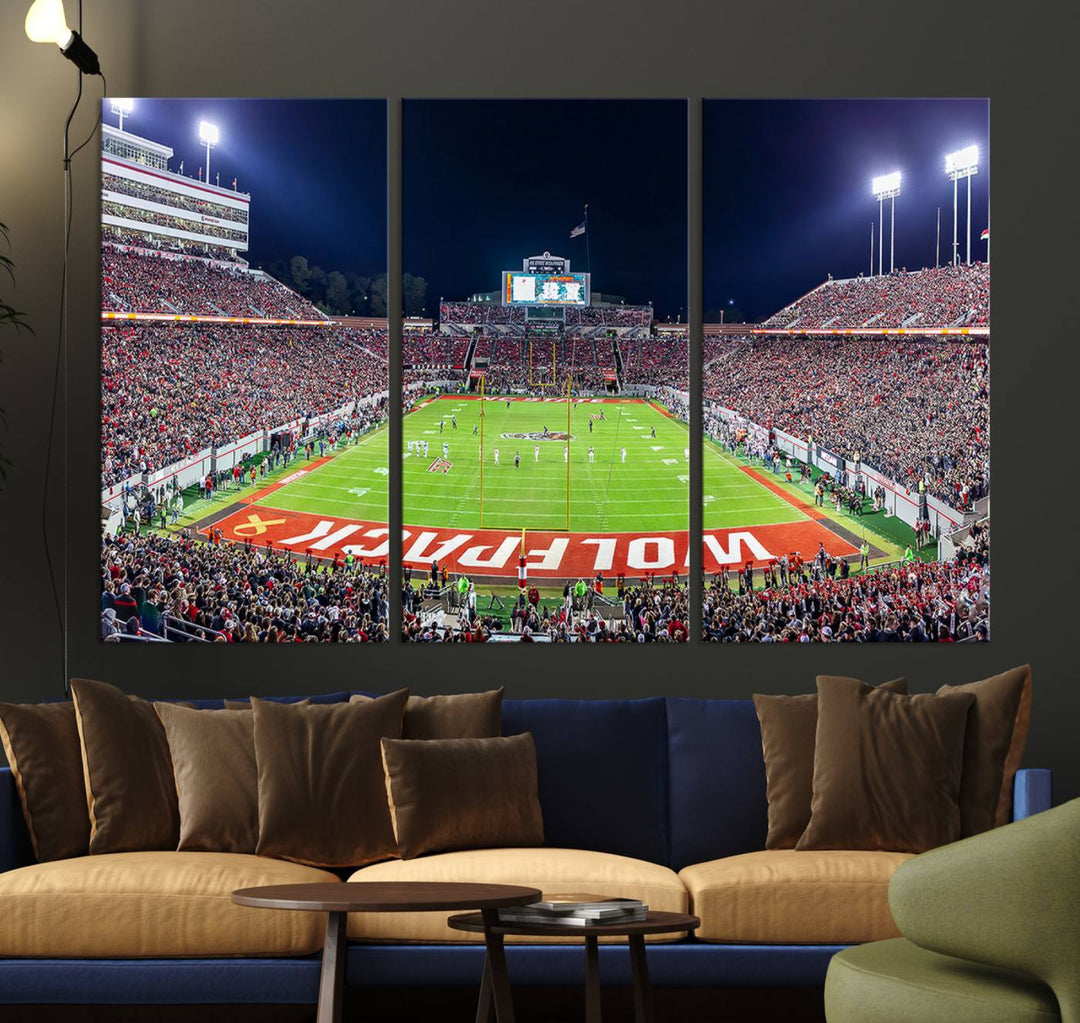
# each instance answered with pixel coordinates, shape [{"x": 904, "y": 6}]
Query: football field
[
  {"x": 648, "y": 490},
  {"x": 354, "y": 483}
]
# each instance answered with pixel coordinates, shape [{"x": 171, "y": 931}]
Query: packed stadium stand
[
  {"x": 135, "y": 280},
  {"x": 919, "y": 601},
  {"x": 173, "y": 246},
  {"x": 915, "y": 409},
  {"x": 168, "y": 390},
  {"x": 948, "y": 296}
]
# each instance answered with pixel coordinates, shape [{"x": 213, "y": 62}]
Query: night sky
[
  {"x": 787, "y": 191},
  {"x": 488, "y": 182},
  {"x": 316, "y": 171}
]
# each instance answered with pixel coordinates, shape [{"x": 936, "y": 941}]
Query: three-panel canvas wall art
[{"x": 548, "y": 411}]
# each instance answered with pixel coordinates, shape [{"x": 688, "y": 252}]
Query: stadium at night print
[
  {"x": 546, "y": 451},
  {"x": 244, "y": 368},
  {"x": 847, "y": 371}
]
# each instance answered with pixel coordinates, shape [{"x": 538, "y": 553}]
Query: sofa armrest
[
  {"x": 15, "y": 847},
  {"x": 1008, "y": 898},
  {"x": 1032, "y": 792}
]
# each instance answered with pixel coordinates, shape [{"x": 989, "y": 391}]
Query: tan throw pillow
[
  {"x": 42, "y": 746},
  {"x": 322, "y": 796},
  {"x": 463, "y": 793},
  {"x": 788, "y": 725},
  {"x": 127, "y": 770},
  {"x": 217, "y": 780},
  {"x": 458, "y": 716},
  {"x": 886, "y": 769},
  {"x": 997, "y": 732}
]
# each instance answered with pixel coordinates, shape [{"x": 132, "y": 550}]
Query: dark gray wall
[{"x": 1022, "y": 58}]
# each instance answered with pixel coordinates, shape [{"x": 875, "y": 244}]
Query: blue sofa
[{"x": 668, "y": 781}]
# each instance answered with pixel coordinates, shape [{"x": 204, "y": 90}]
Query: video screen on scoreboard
[{"x": 545, "y": 289}]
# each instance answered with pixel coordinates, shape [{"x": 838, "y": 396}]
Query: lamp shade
[{"x": 46, "y": 23}]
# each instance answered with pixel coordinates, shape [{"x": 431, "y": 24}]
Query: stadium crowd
[
  {"x": 167, "y": 197},
  {"x": 663, "y": 360},
  {"x": 654, "y": 611},
  {"x": 913, "y": 601},
  {"x": 168, "y": 391},
  {"x": 235, "y": 593},
  {"x": 942, "y": 297},
  {"x": 135, "y": 282},
  {"x": 159, "y": 220},
  {"x": 916, "y": 410}
]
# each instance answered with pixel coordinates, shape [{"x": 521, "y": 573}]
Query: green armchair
[{"x": 991, "y": 931}]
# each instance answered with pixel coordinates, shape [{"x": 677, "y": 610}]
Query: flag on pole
[
  {"x": 985, "y": 236},
  {"x": 576, "y": 232}
]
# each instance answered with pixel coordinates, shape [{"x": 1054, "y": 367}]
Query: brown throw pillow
[
  {"x": 42, "y": 746},
  {"x": 886, "y": 768},
  {"x": 788, "y": 725},
  {"x": 463, "y": 793},
  {"x": 994, "y": 744},
  {"x": 127, "y": 770},
  {"x": 322, "y": 796},
  {"x": 458, "y": 716},
  {"x": 217, "y": 781},
  {"x": 246, "y": 704}
]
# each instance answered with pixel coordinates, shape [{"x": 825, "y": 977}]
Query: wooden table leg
[
  {"x": 496, "y": 965},
  {"x": 643, "y": 1010},
  {"x": 331, "y": 982},
  {"x": 485, "y": 1006},
  {"x": 592, "y": 980}
]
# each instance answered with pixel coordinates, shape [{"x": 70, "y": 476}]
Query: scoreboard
[{"x": 550, "y": 289}]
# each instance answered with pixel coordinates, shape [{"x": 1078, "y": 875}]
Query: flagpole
[{"x": 588, "y": 258}]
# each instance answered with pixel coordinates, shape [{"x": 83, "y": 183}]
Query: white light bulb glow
[
  {"x": 885, "y": 183},
  {"x": 46, "y": 23},
  {"x": 208, "y": 133},
  {"x": 962, "y": 160}
]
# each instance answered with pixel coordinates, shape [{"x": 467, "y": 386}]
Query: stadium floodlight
[
  {"x": 122, "y": 108},
  {"x": 964, "y": 163},
  {"x": 886, "y": 186},
  {"x": 46, "y": 23},
  {"x": 208, "y": 136}
]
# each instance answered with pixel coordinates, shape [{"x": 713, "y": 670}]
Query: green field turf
[
  {"x": 353, "y": 484},
  {"x": 733, "y": 500},
  {"x": 650, "y": 491}
]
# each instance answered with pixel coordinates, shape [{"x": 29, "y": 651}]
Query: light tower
[
  {"x": 886, "y": 186},
  {"x": 208, "y": 136},
  {"x": 122, "y": 108},
  {"x": 964, "y": 163}
]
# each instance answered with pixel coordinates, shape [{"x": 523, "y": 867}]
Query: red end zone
[{"x": 494, "y": 552}]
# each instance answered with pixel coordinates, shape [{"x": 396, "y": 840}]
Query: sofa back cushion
[
  {"x": 602, "y": 771},
  {"x": 716, "y": 773}
]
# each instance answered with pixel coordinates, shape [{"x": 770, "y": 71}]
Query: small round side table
[
  {"x": 338, "y": 900},
  {"x": 496, "y": 980}
]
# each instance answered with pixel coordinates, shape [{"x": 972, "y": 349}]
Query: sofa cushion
[
  {"x": 448, "y": 794},
  {"x": 550, "y": 870},
  {"x": 717, "y": 780},
  {"x": 42, "y": 746},
  {"x": 456, "y": 716},
  {"x": 781, "y": 896},
  {"x": 127, "y": 770},
  {"x": 152, "y": 904},
  {"x": 602, "y": 771},
  {"x": 896, "y": 980}
]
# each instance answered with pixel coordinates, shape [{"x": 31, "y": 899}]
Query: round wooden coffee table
[
  {"x": 495, "y": 977},
  {"x": 338, "y": 900}
]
